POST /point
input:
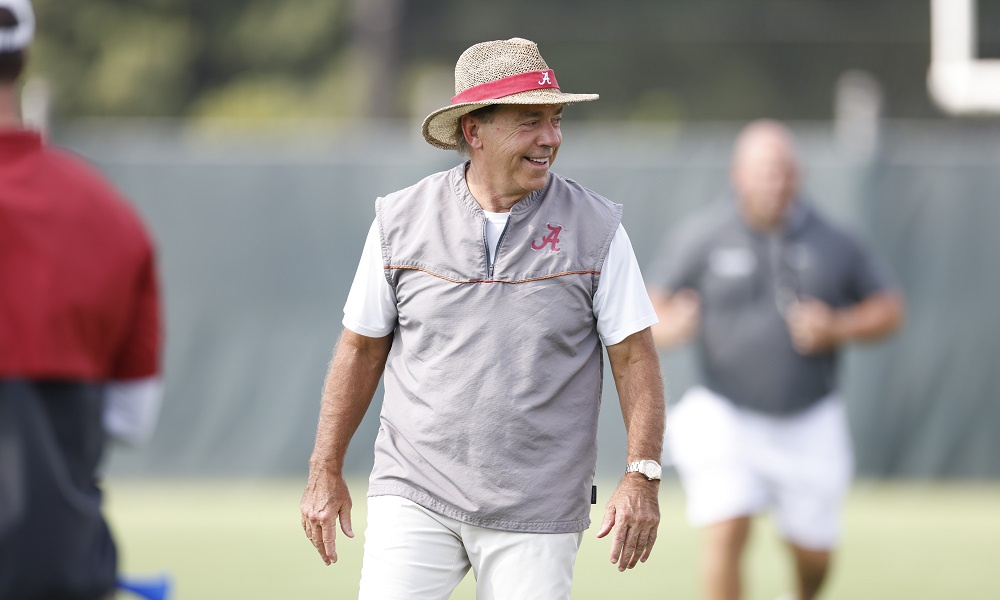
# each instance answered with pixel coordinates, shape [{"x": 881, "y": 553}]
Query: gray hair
[{"x": 484, "y": 115}]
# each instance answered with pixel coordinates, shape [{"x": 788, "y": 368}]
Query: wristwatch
[{"x": 649, "y": 468}]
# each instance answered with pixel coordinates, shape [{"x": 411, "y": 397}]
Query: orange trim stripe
[{"x": 495, "y": 280}]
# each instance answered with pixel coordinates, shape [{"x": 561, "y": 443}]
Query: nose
[{"x": 550, "y": 135}]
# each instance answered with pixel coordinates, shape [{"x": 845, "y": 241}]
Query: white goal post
[{"x": 959, "y": 82}]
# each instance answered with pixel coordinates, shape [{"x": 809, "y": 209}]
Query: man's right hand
[{"x": 325, "y": 501}]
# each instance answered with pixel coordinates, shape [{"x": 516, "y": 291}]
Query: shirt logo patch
[
  {"x": 551, "y": 239},
  {"x": 732, "y": 262}
]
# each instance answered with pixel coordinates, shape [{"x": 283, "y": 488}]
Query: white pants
[
  {"x": 412, "y": 553},
  {"x": 734, "y": 462}
]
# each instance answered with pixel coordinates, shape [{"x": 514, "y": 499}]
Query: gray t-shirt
[{"x": 746, "y": 281}]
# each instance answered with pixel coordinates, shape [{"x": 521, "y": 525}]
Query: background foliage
[{"x": 649, "y": 59}]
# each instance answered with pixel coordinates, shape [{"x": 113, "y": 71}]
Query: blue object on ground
[{"x": 154, "y": 588}]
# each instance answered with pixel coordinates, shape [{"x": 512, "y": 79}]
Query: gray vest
[{"x": 493, "y": 382}]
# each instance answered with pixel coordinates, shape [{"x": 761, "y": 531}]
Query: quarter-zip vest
[{"x": 493, "y": 382}]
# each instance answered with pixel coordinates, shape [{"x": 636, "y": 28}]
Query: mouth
[{"x": 538, "y": 162}]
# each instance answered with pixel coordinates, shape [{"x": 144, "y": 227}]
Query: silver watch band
[{"x": 650, "y": 469}]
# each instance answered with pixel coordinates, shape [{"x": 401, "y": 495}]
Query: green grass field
[{"x": 242, "y": 540}]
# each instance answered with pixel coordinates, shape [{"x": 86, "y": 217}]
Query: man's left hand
[{"x": 635, "y": 510}]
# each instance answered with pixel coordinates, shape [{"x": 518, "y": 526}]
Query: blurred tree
[
  {"x": 110, "y": 58},
  {"x": 649, "y": 59},
  {"x": 231, "y": 58}
]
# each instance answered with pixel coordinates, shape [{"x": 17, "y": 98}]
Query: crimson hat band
[{"x": 514, "y": 84}]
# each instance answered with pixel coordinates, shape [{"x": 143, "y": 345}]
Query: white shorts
[
  {"x": 412, "y": 553},
  {"x": 734, "y": 462}
]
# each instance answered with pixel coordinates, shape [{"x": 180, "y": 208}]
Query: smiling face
[{"x": 512, "y": 152}]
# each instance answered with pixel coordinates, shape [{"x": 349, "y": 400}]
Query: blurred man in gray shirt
[{"x": 770, "y": 291}]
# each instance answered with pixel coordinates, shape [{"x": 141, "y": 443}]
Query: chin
[
  {"x": 533, "y": 181},
  {"x": 536, "y": 184}
]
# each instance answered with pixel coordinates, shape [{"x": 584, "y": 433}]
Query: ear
[{"x": 470, "y": 129}]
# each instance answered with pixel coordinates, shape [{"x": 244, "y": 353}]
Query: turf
[{"x": 242, "y": 539}]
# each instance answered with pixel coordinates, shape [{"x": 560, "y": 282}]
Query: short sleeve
[
  {"x": 370, "y": 309},
  {"x": 621, "y": 304},
  {"x": 680, "y": 258},
  {"x": 867, "y": 277},
  {"x": 139, "y": 353}
]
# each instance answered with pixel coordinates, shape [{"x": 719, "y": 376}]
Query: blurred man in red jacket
[{"x": 79, "y": 348}]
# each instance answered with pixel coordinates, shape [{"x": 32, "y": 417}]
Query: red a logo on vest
[{"x": 552, "y": 238}]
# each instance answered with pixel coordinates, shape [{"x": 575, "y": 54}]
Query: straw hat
[
  {"x": 499, "y": 72},
  {"x": 13, "y": 39}
]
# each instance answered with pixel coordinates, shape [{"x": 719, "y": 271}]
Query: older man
[
  {"x": 773, "y": 291},
  {"x": 485, "y": 293}
]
